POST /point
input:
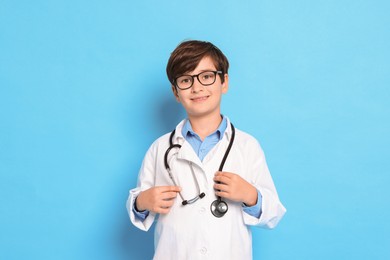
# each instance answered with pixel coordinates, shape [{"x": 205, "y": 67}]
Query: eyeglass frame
[{"x": 197, "y": 77}]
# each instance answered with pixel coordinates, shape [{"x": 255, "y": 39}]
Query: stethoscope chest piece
[{"x": 219, "y": 208}]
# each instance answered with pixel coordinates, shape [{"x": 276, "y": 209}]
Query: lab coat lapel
[{"x": 187, "y": 153}]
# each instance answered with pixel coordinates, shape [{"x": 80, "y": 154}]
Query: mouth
[{"x": 199, "y": 99}]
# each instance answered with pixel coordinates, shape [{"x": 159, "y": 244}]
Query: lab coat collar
[
  {"x": 187, "y": 152},
  {"x": 228, "y": 131}
]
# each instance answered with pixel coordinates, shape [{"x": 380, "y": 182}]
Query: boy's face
[{"x": 201, "y": 100}]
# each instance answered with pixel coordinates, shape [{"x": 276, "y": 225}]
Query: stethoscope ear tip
[{"x": 202, "y": 195}]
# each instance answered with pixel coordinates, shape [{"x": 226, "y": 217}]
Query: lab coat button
[
  {"x": 202, "y": 210},
  {"x": 203, "y": 250}
]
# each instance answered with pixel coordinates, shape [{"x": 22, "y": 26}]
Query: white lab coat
[{"x": 191, "y": 231}]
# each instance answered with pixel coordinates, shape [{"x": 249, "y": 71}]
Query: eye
[
  {"x": 208, "y": 76},
  {"x": 185, "y": 80}
]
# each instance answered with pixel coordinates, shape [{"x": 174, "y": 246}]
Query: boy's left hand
[{"x": 231, "y": 186}]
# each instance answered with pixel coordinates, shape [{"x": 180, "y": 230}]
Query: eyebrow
[{"x": 187, "y": 73}]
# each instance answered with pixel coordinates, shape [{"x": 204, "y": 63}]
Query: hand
[
  {"x": 157, "y": 199},
  {"x": 232, "y": 186}
]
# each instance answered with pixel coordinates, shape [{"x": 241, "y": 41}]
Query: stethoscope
[{"x": 218, "y": 207}]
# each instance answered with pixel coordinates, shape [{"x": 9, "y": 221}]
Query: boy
[{"x": 203, "y": 211}]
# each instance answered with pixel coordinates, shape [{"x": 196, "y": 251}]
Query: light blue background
[{"x": 83, "y": 93}]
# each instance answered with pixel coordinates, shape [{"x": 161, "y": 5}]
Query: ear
[
  {"x": 225, "y": 84},
  {"x": 174, "y": 90}
]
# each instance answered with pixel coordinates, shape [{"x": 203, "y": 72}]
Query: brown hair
[{"x": 188, "y": 54}]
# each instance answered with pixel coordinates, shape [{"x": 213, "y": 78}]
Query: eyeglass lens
[{"x": 205, "y": 78}]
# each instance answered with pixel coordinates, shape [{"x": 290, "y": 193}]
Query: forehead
[{"x": 206, "y": 63}]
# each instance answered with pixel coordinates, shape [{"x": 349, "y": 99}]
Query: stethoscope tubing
[{"x": 218, "y": 207}]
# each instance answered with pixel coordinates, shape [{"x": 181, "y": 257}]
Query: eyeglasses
[{"x": 205, "y": 78}]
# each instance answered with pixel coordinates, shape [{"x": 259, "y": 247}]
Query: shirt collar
[{"x": 187, "y": 128}]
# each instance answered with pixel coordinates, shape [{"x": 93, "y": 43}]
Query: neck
[{"x": 204, "y": 126}]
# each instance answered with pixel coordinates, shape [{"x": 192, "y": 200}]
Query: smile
[{"x": 199, "y": 99}]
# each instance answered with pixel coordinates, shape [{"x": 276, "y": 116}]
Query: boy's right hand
[{"x": 157, "y": 199}]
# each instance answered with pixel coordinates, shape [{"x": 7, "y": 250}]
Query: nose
[{"x": 196, "y": 86}]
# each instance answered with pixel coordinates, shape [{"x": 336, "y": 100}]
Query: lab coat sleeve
[
  {"x": 146, "y": 179},
  {"x": 272, "y": 209}
]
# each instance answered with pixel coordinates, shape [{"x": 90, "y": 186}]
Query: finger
[
  {"x": 222, "y": 179},
  {"x": 218, "y": 173},
  {"x": 168, "y": 195},
  {"x": 170, "y": 189},
  {"x": 225, "y": 174},
  {"x": 166, "y": 204},
  {"x": 221, "y": 187},
  {"x": 164, "y": 207},
  {"x": 163, "y": 211},
  {"x": 222, "y": 194}
]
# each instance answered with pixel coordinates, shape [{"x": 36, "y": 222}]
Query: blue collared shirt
[{"x": 202, "y": 148}]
